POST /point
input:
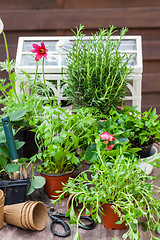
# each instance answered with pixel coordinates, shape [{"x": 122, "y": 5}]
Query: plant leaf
[
  {"x": 38, "y": 182},
  {"x": 3, "y": 161},
  {"x": 12, "y": 167},
  {"x": 17, "y": 116}
]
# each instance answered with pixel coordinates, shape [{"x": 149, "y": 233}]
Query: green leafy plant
[
  {"x": 108, "y": 143},
  {"x": 116, "y": 179},
  {"x": 140, "y": 129},
  {"x": 59, "y": 136},
  {"x": 22, "y": 91},
  {"x": 97, "y": 70}
]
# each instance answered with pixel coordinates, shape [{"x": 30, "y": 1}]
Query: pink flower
[
  {"x": 109, "y": 148},
  {"x": 107, "y": 136},
  {"x": 40, "y": 51}
]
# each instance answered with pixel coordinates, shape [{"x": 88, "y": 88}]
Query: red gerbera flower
[
  {"x": 107, "y": 136},
  {"x": 40, "y": 51}
]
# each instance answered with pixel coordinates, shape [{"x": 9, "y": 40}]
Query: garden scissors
[{"x": 56, "y": 218}]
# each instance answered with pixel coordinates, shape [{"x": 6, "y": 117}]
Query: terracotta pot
[
  {"x": 110, "y": 218},
  {"x": 54, "y": 183},
  {"x": 78, "y": 207}
]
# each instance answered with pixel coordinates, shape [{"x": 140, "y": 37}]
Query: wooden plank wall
[{"x": 57, "y": 17}]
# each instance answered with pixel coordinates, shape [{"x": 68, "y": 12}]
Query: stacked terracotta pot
[
  {"x": 27, "y": 215},
  {"x": 1, "y": 208}
]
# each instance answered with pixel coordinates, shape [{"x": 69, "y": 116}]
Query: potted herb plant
[
  {"x": 142, "y": 130},
  {"x": 117, "y": 183},
  {"x": 96, "y": 70},
  {"x": 59, "y": 137}
]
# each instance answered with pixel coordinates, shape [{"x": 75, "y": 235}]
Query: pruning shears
[{"x": 57, "y": 218}]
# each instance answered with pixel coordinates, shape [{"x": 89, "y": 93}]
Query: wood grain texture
[
  {"x": 72, "y": 4},
  {"x": 109, "y": 3},
  {"x": 151, "y": 83},
  {"x": 9, "y": 232},
  {"x": 27, "y": 4},
  {"x": 69, "y": 18}
]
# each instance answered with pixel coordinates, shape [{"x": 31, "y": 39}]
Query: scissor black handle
[
  {"x": 64, "y": 225},
  {"x": 87, "y": 226}
]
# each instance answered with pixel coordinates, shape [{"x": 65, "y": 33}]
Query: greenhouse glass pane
[
  {"x": 50, "y": 45},
  {"x": 128, "y": 45},
  {"x": 29, "y": 60}
]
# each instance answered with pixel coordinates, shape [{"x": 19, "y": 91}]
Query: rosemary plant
[{"x": 97, "y": 70}]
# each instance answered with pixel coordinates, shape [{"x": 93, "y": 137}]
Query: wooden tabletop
[{"x": 9, "y": 232}]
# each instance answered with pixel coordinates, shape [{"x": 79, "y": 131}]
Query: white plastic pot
[{"x": 146, "y": 166}]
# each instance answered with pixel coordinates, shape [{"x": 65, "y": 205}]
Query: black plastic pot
[
  {"x": 144, "y": 152},
  {"x": 14, "y": 190},
  {"x": 30, "y": 148}
]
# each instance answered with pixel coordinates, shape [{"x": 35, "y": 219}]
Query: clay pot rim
[{"x": 54, "y": 175}]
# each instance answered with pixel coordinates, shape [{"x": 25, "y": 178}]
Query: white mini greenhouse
[{"x": 55, "y": 64}]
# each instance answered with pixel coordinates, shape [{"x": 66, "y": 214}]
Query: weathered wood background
[{"x": 57, "y": 17}]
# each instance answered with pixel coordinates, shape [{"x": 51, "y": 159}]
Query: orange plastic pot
[
  {"x": 54, "y": 183},
  {"x": 110, "y": 218}
]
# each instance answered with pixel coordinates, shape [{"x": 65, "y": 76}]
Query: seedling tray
[{"x": 14, "y": 190}]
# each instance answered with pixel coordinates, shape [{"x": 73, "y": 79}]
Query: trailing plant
[
  {"x": 59, "y": 137},
  {"x": 116, "y": 179},
  {"x": 97, "y": 70}
]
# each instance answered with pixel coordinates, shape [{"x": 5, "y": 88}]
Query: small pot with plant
[
  {"x": 142, "y": 130},
  {"x": 13, "y": 176},
  {"x": 97, "y": 71},
  {"x": 117, "y": 182},
  {"x": 14, "y": 180},
  {"x": 59, "y": 136}
]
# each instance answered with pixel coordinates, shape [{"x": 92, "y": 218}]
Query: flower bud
[{"x": 1, "y": 26}]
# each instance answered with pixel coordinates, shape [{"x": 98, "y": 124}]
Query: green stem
[
  {"x": 7, "y": 53},
  {"x": 45, "y": 86},
  {"x": 9, "y": 69},
  {"x": 35, "y": 78},
  {"x": 32, "y": 170},
  {"x": 43, "y": 73}
]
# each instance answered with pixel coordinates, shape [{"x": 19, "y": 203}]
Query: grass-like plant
[{"x": 97, "y": 70}]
